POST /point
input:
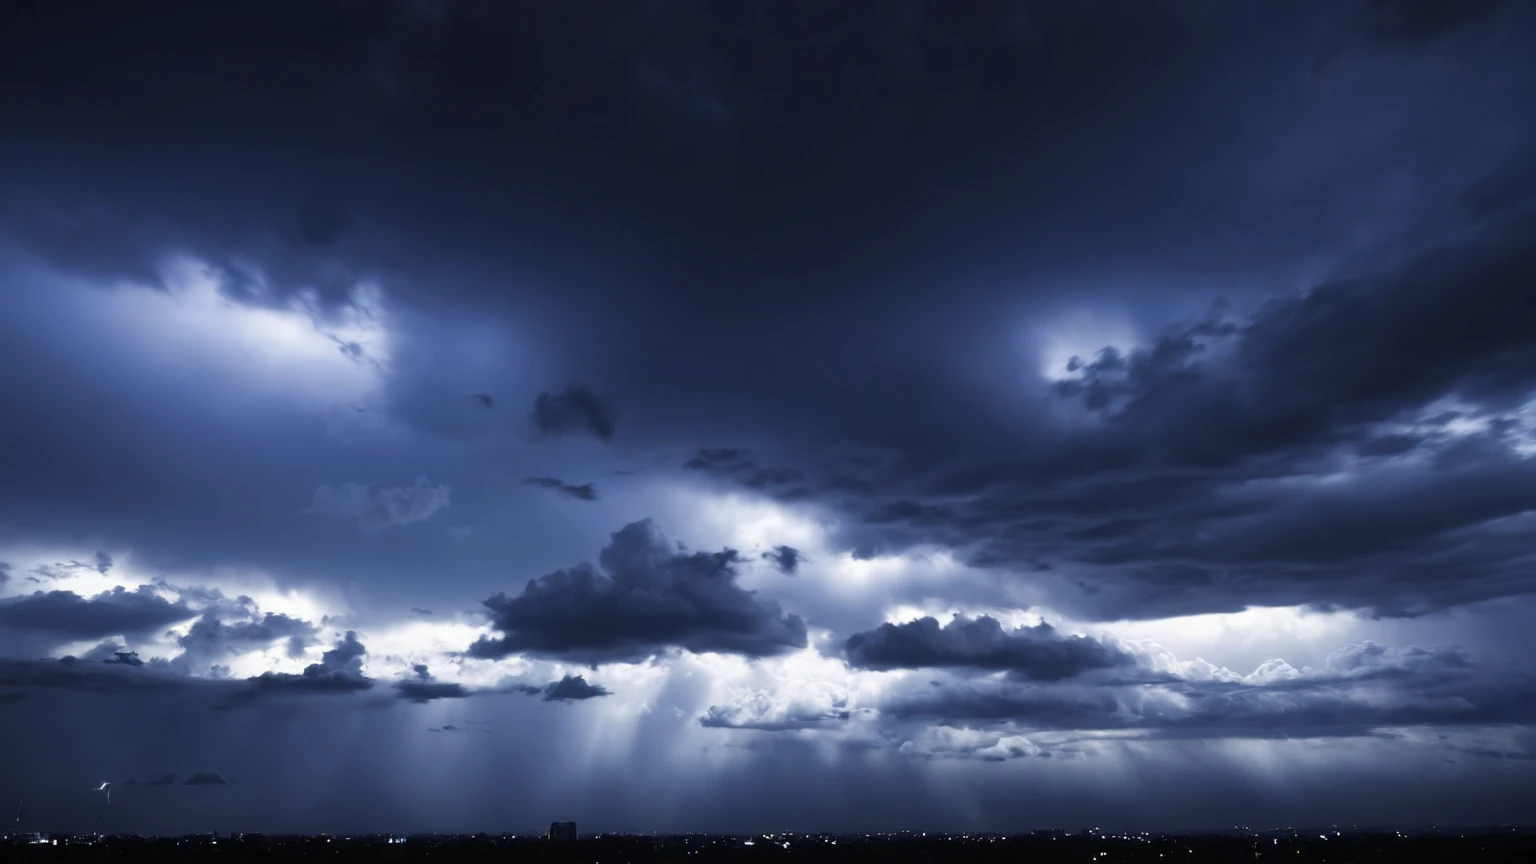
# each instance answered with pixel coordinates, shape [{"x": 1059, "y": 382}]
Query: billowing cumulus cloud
[
  {"x": 1035, "y": 653},
  {"x": 340, "y": 670},
  {"x": 210, "y": 639},
  {"x": 810, "y": 708},
  {"x": 647, "y": 598},
  {"x": 951, "y": 742},
  {"x": 376, "y": 508}
]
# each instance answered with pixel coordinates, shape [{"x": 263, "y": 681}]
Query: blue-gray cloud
[
  {"x": 579, "y": 491},
  {"x": 1036, "y": 653},
  {"x": 377, "y": 508},
  {"x": 648, "y": 598},
  {"x": 340, "y": 670},
  {"x": 576, "y": 409},
  {"x": 67, "y": 615},
  {"x": 422, "y": 688},
  {"x": 571, "y": 688},
  {"x": 786, "y": 558}
]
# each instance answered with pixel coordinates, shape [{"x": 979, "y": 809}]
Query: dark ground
[{"x": 1489, "y": 846}]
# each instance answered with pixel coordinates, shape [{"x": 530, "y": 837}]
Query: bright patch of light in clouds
[
  {"x": 1078, "y": 333},
  {"x": 1241, "y": 641},
  {"x": 744, "y": 522},
  {"x": 194, "y": 334},
  {"x": 903, "y": 613}
]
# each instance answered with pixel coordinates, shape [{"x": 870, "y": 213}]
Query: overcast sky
[{"x": 685, "y": 415}]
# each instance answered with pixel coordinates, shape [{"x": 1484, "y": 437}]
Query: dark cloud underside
[{"x": 647, "y": 598}]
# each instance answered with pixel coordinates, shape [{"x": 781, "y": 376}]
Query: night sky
[{"x": 690, "y": 415}]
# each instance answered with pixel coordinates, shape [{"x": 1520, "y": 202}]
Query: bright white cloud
[{"x": 230, "y": 353}]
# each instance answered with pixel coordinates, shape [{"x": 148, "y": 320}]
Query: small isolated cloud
[
  {"x": 340, "y": 670},
  {"x": 571, "y": 688},
  {"x": 206, "y": 778},
  {"x": 581, "y": 492},
  {"x": 124, "y": 658},
  {"x": 786, "y": 558},
  {"x": 377, "y": 508},
  {"x": 422, "y": 688},
  {"x": 575, "y": 410},
  {"x": 647, "y": 598},
  {"x": 1037, "y": 653}
]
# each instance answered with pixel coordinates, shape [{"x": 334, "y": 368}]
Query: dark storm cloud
[
  {"x": 1401, "y": 26},
  {"x": 1197, "y": 479},
  {"x": 647, "y": 598},
  {"x": 422, "y": 688},
  {"x": 1362, "y": 688},
  {"x": 763, "y": 229},
  {"x": 340, "y": 670},
  {"x": 668, "y": 265},
  {"x": 786, "y": 558},
  {"x": 376, "y": 508},
  {"x": 571, "y": 688},
  {"x": 206, "y": 778},
  {"x": 581, "y": 492},
  {"x": 72, "y": 674},
  {"x": 1035, "y": 653},
  {"x": 1416, "y": 22},
  {"x": 125, "y": 658},
  {"x": 576, "y": 409},
  {"x": 67, "y": 615}
]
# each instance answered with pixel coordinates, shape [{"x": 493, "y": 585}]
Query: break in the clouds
[{"x": 1198, "y": 331}]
